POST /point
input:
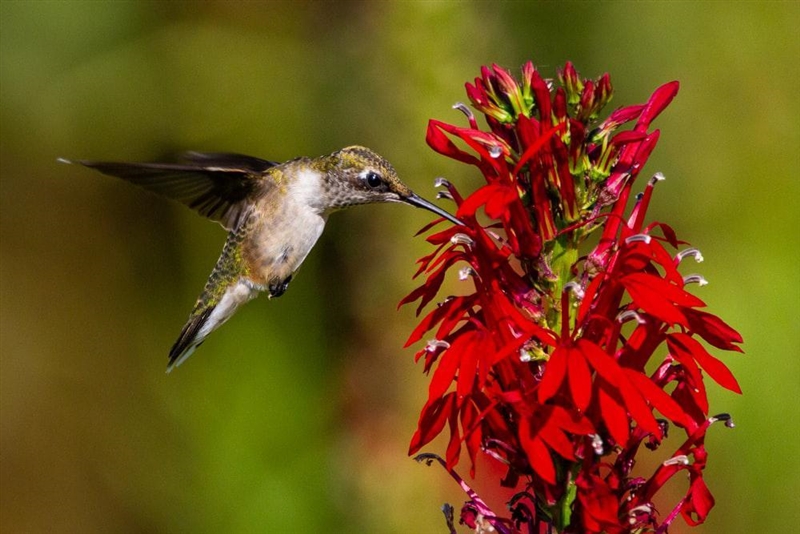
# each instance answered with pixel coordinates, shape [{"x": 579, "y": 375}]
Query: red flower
[{"x": 547, "y": 366}]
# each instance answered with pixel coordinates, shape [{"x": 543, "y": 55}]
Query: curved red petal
[
  {"x": 554, "y": 374},
  {"x": 580, "y": 379}
]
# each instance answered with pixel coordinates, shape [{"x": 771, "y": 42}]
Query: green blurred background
[{"x": 296, "y": 416}]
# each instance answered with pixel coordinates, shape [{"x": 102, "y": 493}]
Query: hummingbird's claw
[{"x": 276, "y": 290}]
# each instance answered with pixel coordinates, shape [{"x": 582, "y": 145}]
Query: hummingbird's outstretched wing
[{"x": 216, "y": 185}]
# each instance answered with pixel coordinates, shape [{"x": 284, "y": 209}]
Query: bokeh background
[{"x": 296, "y": 416}]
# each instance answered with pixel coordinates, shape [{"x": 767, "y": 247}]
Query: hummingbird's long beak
[{"x": 420, "y": 202}]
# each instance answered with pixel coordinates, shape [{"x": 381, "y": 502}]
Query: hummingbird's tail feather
[{"x": 208, "y": 315}]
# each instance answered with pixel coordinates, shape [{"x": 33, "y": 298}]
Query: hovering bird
[{"x": 274, "y": 212}]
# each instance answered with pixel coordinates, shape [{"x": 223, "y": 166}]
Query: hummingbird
[{"x": 274, "y": 213}]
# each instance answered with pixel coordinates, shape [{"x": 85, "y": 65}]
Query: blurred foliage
[{"x": 295, "y": 417}]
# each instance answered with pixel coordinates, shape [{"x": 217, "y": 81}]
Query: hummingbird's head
[{"x": 357, "y": 175}]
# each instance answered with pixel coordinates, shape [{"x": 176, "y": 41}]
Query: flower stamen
[
  {"x": 681, "y": 459},
  {"x": 695, "y": 278},
  {"x": 638, "y": 238},
  {"x": 693, "y": 252},
  {"x": 627, "y": 315},
  {"x": 462, "y": 239}
]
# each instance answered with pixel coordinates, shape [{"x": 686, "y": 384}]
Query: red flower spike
[{"x": 545, "y": 363}]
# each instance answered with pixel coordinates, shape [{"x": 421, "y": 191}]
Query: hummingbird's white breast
[{"x": 288, "y": 223}]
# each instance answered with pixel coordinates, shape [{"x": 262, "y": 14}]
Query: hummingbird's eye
[{"x": 373, "y": 180}]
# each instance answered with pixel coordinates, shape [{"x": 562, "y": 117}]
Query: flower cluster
[{"x": 580, "y": 341}]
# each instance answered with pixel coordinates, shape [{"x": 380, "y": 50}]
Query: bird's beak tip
[{"x": 419, "y": 202}]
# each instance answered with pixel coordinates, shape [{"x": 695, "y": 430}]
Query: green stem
[{"x": 565, "y": 254}]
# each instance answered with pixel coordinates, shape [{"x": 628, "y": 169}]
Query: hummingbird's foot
[{"x": 276, "y": 290}]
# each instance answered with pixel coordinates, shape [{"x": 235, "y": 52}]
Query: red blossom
[{"x": 546, "y": 365}]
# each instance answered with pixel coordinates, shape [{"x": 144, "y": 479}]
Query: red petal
[
  {"x": 558, "y": 442},
  {"x": 658, "y": 297},
  {"x": 645, "y": 149},
  {"x": 539, "y": 457},
  {"x": 580, "y": 379},
  {"x": 605, "y": 366},
  {"x": 622, "y": 115},
  {"x": 714, "y": 367},
  {"x": 477, "y": 199},
  {"x": 472, "y": 430},
  {"x": 684, "y": 356},
  {"x": 430, "y": 288},
  {"x": 496, "y": 207},
  {"x": 665, "y": 260},
  {"x": 600, "y": 505},
  {"x": 627, "y": 136},
  {"x": 450, "y": 308},
  {"x": 442, "y": 237},
  {"x": 588, "y": 297},
  {"x": 469, "y": 368},
  {"x": 442, "y": 144},
  {"x": 541, "y": 97},
  {"x": 699, "y": 504},
  {"x": 554, "y": 373},
  {"x": 656, "y": 284},
  {"x": 693, "y": 401},
  {"x": 533, "y": 149},
  {"x": 659, "y": 399},
  {"x": 428, "y": 226},
  {"x": 571, "y": 421},
  {"x": 614, "y": 415},
  {"x": 608, "y": 368},
  {"x": 431, "y": 421},
  {"x": 457, "y": 313},
  {"x": 713, "y": 329},
  {"x": 425, "y": 261},
  {"x": 445, "y": 371},
  {"x": 659, "y": 100},
  {"x": 454, "y": 443}
]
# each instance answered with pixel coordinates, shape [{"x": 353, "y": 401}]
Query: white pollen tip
[{"x": 441, "y": 182}]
